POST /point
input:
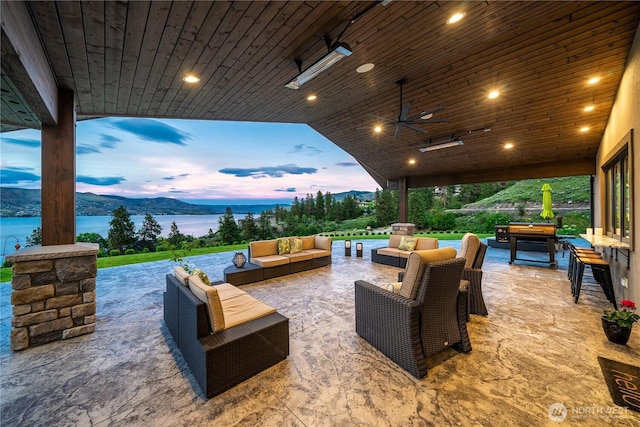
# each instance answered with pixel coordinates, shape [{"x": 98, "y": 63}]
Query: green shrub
[
  {"x": 114, "y": 252},
  {"x": 161, "y": 248},
  {"x": 145, "y": 251},
  {"x": 130, "y": 251},
  {"x": 7, "y": 264}
]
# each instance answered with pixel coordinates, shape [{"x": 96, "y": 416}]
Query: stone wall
[{"x": 53, "y": 294}]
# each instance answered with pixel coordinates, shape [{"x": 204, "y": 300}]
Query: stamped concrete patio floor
[{"x": 535, "y": 348}]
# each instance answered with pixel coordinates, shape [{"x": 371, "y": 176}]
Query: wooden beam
[
  {"x": 540, "y": 170},
  {"x": 25, "y": 64},
  {"x": 59, "y": 175}
]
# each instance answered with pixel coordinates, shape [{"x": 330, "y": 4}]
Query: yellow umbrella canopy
[{"x": 547, "y": 212}]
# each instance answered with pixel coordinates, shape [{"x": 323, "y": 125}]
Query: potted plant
[{"x": 617, "y": 324}]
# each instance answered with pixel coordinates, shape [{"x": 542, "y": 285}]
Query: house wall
[{"x": 625, "y": 115}]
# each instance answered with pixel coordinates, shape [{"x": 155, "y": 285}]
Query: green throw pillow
[
  {"x": 407, "y": 243},
  {"x": 296, "y": 245},
  {"x": 283, "y": 246}
]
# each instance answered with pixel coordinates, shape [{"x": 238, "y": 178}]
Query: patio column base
[
  {"x": 403, "y": 228},
  {"x": 53, "y": 293}
]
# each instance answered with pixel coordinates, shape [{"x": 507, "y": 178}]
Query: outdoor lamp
[
  {"x": 359, "y": 250},
  {"x": 347, "y": 248},
  {"x": 239, "y": 259}
]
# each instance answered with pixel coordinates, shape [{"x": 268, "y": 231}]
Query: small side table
[{"x": 249, "y": 273}]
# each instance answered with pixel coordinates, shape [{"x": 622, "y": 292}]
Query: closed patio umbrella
[{"x": 547, "y": 203}]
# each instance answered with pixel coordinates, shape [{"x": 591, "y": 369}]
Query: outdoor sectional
[
  {"x": 225, "y": 335},
  {"x": 393, "y": 255},
  {"x": 276, "y": 260}
]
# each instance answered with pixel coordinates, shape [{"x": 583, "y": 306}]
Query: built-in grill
[{"x": 533, "y": 232}]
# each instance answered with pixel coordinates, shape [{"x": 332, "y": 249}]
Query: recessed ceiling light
[
  {"x": 190, "y": 78},
  {"x": 584, "y": 128},
  {"x": 312, "y": 97},
  {"x": 493, "y": 94},
  {"x": 412, "y": 161},
  {"x": 456, "y": 17},
  {"x": 508, "y": 145},
  {"x": 589, "y": 108},
  {"x": 365, "y": 68},
  {"x": 377, "y": 129},
  {"x": 593, "y": 80}
]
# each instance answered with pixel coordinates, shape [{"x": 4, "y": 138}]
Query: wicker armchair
[
  {"x": 473, "y": 250},
  {"x": 408, "y": 330}
]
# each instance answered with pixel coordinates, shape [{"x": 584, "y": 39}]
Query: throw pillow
[
  {"x": 203, "y": 276},
  {"x": 394, "y": 287},
  {"x": 209, "y": 296},
  {"x": 283, "y": 246},
  {"x": 407, "y": 243},
  {"x": 296, "y": 245}
]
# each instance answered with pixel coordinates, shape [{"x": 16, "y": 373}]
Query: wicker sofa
[
  {"x": 276, "y": 260},
  {"x": 394, "y": 255},
  {"x": 233, "y": 353}
]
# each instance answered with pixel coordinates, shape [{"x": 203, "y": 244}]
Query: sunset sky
[{"x": 210, "y": 162}]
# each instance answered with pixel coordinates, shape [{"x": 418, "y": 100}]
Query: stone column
[
  {"x": 53, "y": 293},
  {"x": 403, "y": 228}
]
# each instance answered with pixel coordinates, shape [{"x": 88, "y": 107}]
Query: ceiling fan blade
[
  {"x": 425, "y": 113},
  {"x": 404, "y": 112},
  {"x": 397, "y": 132},
  {"x": 415, "y": 128},
  {"x": 382, "y": 118}
]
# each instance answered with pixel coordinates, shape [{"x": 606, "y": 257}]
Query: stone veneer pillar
[
  {"x": 53, "y": 293},
  {"x": 403, "y": 228}
]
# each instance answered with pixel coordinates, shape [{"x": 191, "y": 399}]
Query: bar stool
[
  {"x": 601, "y": 273},
  {"x": 573, "y": 252}
]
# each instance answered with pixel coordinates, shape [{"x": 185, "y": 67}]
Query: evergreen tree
[
  {"x": 175, "y": 237},
  {"x": 350, "y": 208},
  {"x": 320, "y": 212},
  {"x": 249, "y": 228},
  {"x": 228, "y": 230},
  {"x": 296, "y": 209},
  {"x": 35, "y": 238},
  {"x": 328, "y": 206},
  {"x": 386, "y": 207},
  {"x": 309, "y": 206},
  {"x": 149, "y": 232},
  {"x": 121, "y": 234},
  {"x": 418, "y": 208},
  {"x": 91, "y": 238},
  {"x": 265, "y": 230}
]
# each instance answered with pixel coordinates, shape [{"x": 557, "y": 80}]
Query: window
[{"x": 618, "y": 206}]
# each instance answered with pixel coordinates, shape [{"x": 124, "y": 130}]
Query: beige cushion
[
  {"x": 243, "y": 308},
  {"x": 394, "y": 287},
  {"x": 308, "y": 242},
  {"x": 284, "y": 247},
  {"x": 300, "y": 256},
  {"x": 415, "y": 268},
  {"x": 389, "y": 251},
  {"x": 322, "y": 242},
  {"x": 469, "y": 249},
  {"x": 263, "y": 248},
  {"x": 426, "y": 243},
  {"x": 295, "y": 244},
  {"x": 394, "y": 240},
  {"x": 317, "y": 253},
  {"x": 270, "y": 260},
  {"x": 227, "y": 290},
  {"x": 209, "y": 296},
  {"x": 407, "y": 243},
  {"x": 180, "y": 274}
]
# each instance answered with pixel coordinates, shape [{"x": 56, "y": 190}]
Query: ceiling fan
[{"x": 409, "y": 122}]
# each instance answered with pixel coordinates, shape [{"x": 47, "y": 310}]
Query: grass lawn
[{"x": 115, "y": 261}]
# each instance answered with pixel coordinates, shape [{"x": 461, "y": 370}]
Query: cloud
[
  {"x": 104, "y": 181},
  {"x": 31, "y": 143},
  {"x": 153, "y": 130},
  {"x": 108, "y": 141},
  {"x": 306, "y": 149},
  {"x": 268, "y": 171},
  {"x": 17, "y": 175},
  {"x": 178, "y": 192},
  {"x": 85, "y": 149},
  {"x": 348, "y": 164},
  {"x": 169, "y": 178},
  {"x": 286, "y": 190}
]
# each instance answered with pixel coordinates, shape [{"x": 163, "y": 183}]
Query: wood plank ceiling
[{"x": 129, "y": 59}]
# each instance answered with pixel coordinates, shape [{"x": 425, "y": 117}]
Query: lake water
[{"x": 195, "y": 225}]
